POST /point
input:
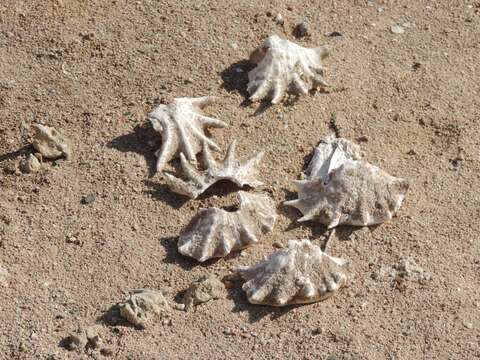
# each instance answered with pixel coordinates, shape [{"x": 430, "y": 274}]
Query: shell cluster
[
  {"x": 337, "y": 188},
  {"x": 283, "y": 66},
  {"x": 215, "y": 233},
  {"x": 343, "y": 191}
]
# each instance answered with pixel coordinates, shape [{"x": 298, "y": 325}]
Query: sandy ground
[{"x": 95, "y": 69}]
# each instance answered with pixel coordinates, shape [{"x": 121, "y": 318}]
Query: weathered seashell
[
  {"x": 300, "y": 274},
  {"x": 229, "y": 169},
  {"x": 215, "y": 233},
  {"x": 50, "y": 143},
  {"x": 329, "y": 155},
  {"x": 342, "y": 189},
  {"x": 204, "y": 289},
  {"x": 141, "y": 306},
  {"x": 181, "y": 125},
  {"x": 357, "y": 193},
  {"x": 283, "y": 66}
]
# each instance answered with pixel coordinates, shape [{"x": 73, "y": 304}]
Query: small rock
[
  {"x": 301, "y": 30},
  {"x": 73, "y": 240},
  {"x": 335, "y": 33},
  {"x": 362, "y": 138},
  {"x": 204, "y": 289},
  {"x": 180, "y": 307},
  {"x": 106, "y": 351},
  {"x": 143, "y": 305},
  {"x": 88, "y": 199},
  {"x": 468, "y": 325},
  {"x": 279, "y": 19},
  {"x": 83, "y": 338},
  {"x": 188, "y": 81},
  {"x": 50, "y": 143},
  {"x": 4, "y": 275},
  {"x": 30, "y": 165},
  {"x": 416, "y": 65},
  {"x": 411, "y": 152},
  {"x": 397, "y": 29}
]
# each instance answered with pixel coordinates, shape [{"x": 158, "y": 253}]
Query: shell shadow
[
  {"x": 235, "y": 78},
  {"x": 163, "y": 193},
  {"x": 16, "y": 153},
  {"x": 172, "y": 256},
  {"x": 137, "y": 142}
]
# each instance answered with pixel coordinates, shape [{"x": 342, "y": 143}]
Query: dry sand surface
[{"x": 94, "y": 69}]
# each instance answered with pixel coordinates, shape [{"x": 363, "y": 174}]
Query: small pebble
[
  {"x": 278, "y": 245},
  {"x": 397, "y": 29},
  {"x": 279, "y": 19},
  {"x": 301, "y": 30},
  {"x": 30, "y": 165},
  {"x": 90, "y": 198},
  {"x": 180, "y": 306}
]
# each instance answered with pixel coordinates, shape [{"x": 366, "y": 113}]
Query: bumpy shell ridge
[
  {"x": 229, "y": 169},
  {"x": 302, "y": 273},
  {"x": 214, "y": 232},
  {"x": 283, "y": 66},
  {"x": 181, "y": 125}
]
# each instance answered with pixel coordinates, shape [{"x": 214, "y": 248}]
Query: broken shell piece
[
  {"x": 181, "y": 125},
  {"x": 50, "y": 143},
  {"x": 283, "y": 66},
  {"x": 300, "y": 274},
  {"x": 143, "y": 305},
  {"x": 329, "y": 155},
  {"x": 357, "y": 193},
  {"x": 204, "y": 289},
  {"x": 229, "y": 169},
  {"x": 214, "y": 232}
]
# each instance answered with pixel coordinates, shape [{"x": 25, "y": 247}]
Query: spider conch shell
[
  {"x": 300, "y": 274},
  {"x": 50, "y": 143},
  {"x": 352, "y": 192},
  {"x": 181, "y": 125},
  {"x": 229, "y": 169},
  {"x": 215, "y": 233},
  {"x": 283, "y": 66}
]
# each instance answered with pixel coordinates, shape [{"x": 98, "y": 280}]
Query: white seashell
[
  {"x": 215, "y": 233},
  {"x": 143, "y": 305},
  {"x": 300, "y": 274},
  {"x": 356, "y": 193},
  {"x": 181, "y": 125},
  {"x": 229, "y": 169},
  {"x": 283, "y": 66},
  {"x": 329, "y": 155},
  {"x": 50, "y": 143}
]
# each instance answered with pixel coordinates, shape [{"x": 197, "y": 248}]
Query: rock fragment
[
  {"x": 4, "y": 275},
  {"x": 30, "y": 164},
  {"x": 204, "y": 289},
  {"x": 50, "y": 143},
  {"x": 84, "y": 338},
  {"x": 142, "y": 306}
]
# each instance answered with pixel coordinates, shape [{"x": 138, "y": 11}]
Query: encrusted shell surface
[
  {"x": 240, "y": 173},
  {"x": 50, "y": 143},
  {"x": 181, "y": 125},
  {"x": 300, "y": 274},
  {"x": 141, "y": 306},
  {"x": 283, "y": 66},
  {"x": 215, "y": 233},
  {"x": 342, "y": 189},
  {"x": 330, "y": 154}
]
